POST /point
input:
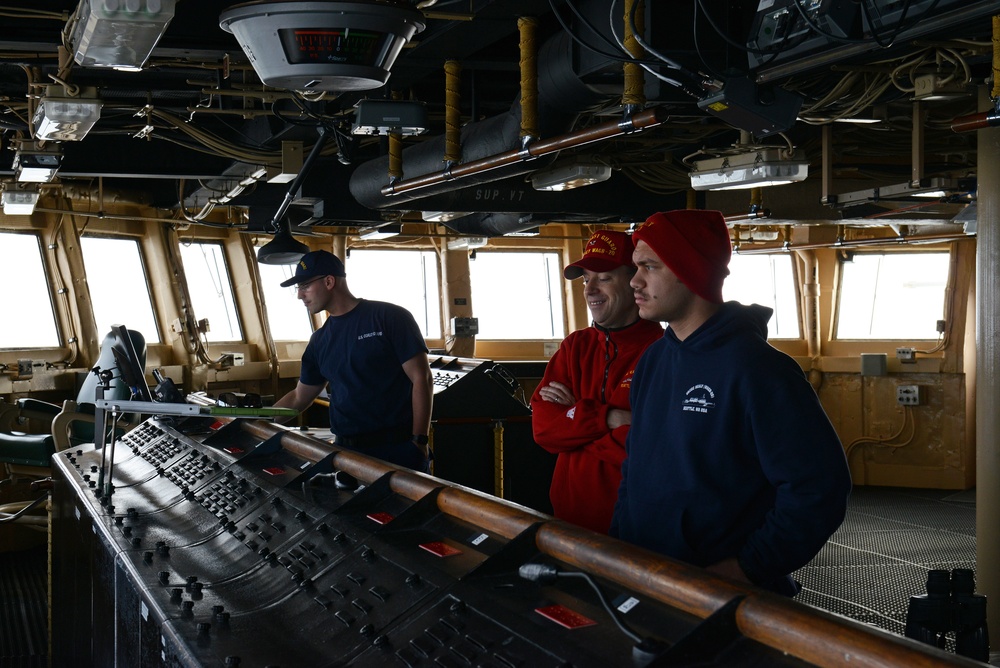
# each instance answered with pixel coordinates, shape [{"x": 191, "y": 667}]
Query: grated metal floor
[{"x": 881, "y": 554}]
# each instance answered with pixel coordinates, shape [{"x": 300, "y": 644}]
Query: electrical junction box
[
  {"x": 24, "y": 369},
  {"x": 908, "y": 395},
  {"x": 464, "y": 327},
  {"x": 906, "y": 355},
  {"x": 232, "y": 359}
]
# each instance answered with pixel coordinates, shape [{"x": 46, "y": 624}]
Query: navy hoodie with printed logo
[{"x": 730, "y": 453}]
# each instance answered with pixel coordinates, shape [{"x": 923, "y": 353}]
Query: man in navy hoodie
[{"x": 732, "y": 465}]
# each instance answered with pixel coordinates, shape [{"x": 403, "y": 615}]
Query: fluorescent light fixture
[
  {"x": 442, "y": 216},
  {"x": 466, "y": 243},
  {"x": 380, "y": 117},
  {"x": 118, "y": 33},
  {"x": 19, "y": 200},
  {"x": 382, "y": 232},
  {"x": 567, "y": 177},
  {"x": 64, "y": 117},
  {"x": 755, "y": 169},
  {"x": 35, "y": 165}
]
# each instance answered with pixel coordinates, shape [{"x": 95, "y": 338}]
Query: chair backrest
[
  {"x": 84, "y": 431},
  {"x": 106, "y": 360}
]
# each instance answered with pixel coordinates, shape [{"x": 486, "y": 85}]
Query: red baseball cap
[{"x": 605, "y": 251}]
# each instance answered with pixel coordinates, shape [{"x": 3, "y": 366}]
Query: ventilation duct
[{"x": 562, "y": 96}]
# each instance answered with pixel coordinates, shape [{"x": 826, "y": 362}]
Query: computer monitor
[{"x": 130, "y": 369}]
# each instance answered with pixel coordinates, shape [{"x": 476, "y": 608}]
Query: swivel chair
[{"x": 73, "y": 423}]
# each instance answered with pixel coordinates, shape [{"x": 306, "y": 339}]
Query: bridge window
[
  {"x": 29, "y": 321},
  {"x": 767, "y": 280},
  {"x": 211, "y": 290},
  {"x": 287, "y": 318},
  {"x": 408, "y": 278},
  {"x": 896, "y": 296},
  {"x": 119, "y": 290},
  {"x": 518, "y": 295}
]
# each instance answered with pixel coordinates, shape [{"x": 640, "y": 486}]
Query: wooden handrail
[{"x": 809, "y": 634}]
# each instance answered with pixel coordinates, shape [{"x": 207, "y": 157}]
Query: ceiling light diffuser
[
  {"x": 119, "y": 34},
  {"x": 754, "y": 169},
  {"x": 62, "y": 117}
]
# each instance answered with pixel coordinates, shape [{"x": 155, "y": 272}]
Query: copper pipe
[
  {"x": 980, "y": 121},
  {"x": 643, "y": 120}
]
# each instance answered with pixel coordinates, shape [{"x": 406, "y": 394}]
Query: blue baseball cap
[{"x": 316, "y": 264}]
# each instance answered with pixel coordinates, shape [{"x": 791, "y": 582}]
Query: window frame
[{"x": 838, "y": 302}]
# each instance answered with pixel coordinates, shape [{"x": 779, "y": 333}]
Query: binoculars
[{"x": 950, "y": 605}]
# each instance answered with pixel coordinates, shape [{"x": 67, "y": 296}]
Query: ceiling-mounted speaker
[{"x": 323, "y": 45}]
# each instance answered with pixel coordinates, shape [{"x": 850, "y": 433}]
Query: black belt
[{"x": 374, "y": 439}]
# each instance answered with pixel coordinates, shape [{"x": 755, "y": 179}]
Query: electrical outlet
[
  {"x": 906, "y": 355},
  {"x": 908, "y": 395}
]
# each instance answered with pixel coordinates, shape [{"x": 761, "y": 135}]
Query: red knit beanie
[{"x": 694, "y": 244}]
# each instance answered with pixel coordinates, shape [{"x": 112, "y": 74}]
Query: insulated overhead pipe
[
  {"x": 527, "y": 27},
  {"x": 452, "y": 113}
]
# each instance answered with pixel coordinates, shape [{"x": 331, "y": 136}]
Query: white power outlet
[{"x": 908, "y": 395}]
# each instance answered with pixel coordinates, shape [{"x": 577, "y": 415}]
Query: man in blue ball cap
[{"x": 373, "y": 360}]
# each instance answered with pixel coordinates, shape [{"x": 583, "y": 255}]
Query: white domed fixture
[{"x": 327, "y": 45}]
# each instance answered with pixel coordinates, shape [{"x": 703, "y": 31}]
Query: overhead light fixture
[
  {"x": 282, "y": 249},
  {"x": 466, "y": 243},
  {"x": 380, "y": 117},
  {"x": 567, "y": 177},
  {"x": 119, "y": 34},
  {"x": 754, "y": 169},
  {"x": 61, "y": 116},
  {"x": 332, "y": 45},
  {"x": 442, "y": 216},
  {"x": 382, "y": 232},
  {"x": 19, "y": 200},
  {"x": 956, "y": 191},
  {"x": 33, "y": 164}
]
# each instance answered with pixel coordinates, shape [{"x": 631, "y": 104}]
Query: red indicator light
[
  {"x": 565, "y": 617},
  {"x": 380, "y": 518},
  {"x": 440, "y": 549}
]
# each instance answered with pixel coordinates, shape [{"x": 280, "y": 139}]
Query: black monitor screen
[{"x": 129, "y": 367}]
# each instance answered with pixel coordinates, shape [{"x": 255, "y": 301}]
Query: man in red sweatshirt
[{"x": 580, "y": 410}]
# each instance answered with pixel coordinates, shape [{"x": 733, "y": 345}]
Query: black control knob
[
  {"x": 127, "y": 530},
  {"x": 232, "y": 661},
  {"x": 147, "y": 556},
  {"x": 136, "y": 541},
  {"x": 368, "y": 554},
  {"x": 217, "y": 610},
  {"x": 175, "y": 594},
  {"x": 367, "y": 629},
  {"x": 203, "y": 627},
  {"x": 414, "y": 580},
  {"x": 163, "y": 577}
]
